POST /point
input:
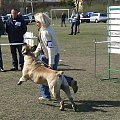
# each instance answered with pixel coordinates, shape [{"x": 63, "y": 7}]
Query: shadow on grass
[
  {"x": 93, "y": 106},
  {"x": 63, "y": 65},
  {"x": 69, "y": 69},
  {"x": 87, "y": 105}
]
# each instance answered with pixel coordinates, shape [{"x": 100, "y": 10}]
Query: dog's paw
[
  {"x": 62, "y": 109},
  {"x": 74, "y": 107},
  {"x": 20, "y": 82}
]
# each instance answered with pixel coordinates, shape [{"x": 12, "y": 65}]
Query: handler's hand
[
  {"x": 36, "y": 53},
  {"x": 51, "y": 66}
]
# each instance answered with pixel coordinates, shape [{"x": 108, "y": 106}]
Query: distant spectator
[
  {"x": 2, "y": 30},
  {"x": 78, "y": 22},
  {"x": 63, "y": 19},
  {"x": 73, "y": 22},
  {"x": 16, "y": 28},
  {"x": 2, "y": 27}
]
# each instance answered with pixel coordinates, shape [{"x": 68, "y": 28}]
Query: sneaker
[
  {"x": 70, "y": 34},
  {"x": 13, "y": 69},
  {"x": 43, "y": 98},
  {"x": 74, "y": 86},
  {"x": 2, "y": 70}
]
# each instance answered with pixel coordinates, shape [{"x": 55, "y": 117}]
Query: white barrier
[
  {"x": 108, "y": 42},
  {"x": 109, "y": 52},
  {"x": 29, "y": 38},
  {"x": 11, "y": 44}
]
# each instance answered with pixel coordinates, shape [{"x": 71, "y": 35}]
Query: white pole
[
  {"x": 68, "y": 14},
  {"x": 51, "y": 13},
  {"x": 32, "y": 6}
]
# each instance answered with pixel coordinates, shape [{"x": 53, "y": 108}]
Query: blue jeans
[
  {"x": 45, "y": 89},
  {"x": 72, "y": 27}
]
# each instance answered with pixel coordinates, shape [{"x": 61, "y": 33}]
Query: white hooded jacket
[{"x": 48, "y": 43}]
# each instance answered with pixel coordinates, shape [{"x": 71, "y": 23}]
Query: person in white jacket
[
  {"x": 50, "y": 48},
  {"x": 74, "y": 17}
]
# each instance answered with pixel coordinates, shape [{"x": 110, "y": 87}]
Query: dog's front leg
[{"x": 21, "y": 80}]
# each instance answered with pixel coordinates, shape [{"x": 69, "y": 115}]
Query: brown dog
[{"x": 34, "y": 70}]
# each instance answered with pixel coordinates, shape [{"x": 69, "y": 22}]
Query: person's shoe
[
  {"x": 2, "y": 70},
  {"x": 13, "y": 69},
  {"x": 21, "y": 68},
  {"x": 70, "y": 34},
  {"x": 74, "y": 86},
  {"x": 21, "y": 65},
  {"x": 43, "y": 98}
]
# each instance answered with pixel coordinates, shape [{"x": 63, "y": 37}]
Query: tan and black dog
[{"x": 34, "y": 70}]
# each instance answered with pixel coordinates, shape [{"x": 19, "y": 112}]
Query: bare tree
[
  {"x": 77, "y": 4},
  {"x": 88, "y": 2}
]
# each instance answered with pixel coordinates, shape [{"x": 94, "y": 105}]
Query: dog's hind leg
[
  {"x": 57, "y": 96},
  {"x": 55, "y": 90},
  {"x": 67, "y": 91}
]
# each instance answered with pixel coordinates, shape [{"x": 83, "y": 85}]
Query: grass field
[{"x": 96, "y": 99}]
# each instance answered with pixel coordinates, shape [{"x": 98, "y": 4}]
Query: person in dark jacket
[
  {"x": 63, "y": 19},
  {"x": 16, "y": 28},
  {"x": 78, "y": 22},
  {"x": 2, "y": 30}
]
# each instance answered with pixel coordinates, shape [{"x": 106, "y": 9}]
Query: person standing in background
[
  {"x": 2, "y": 31},
  {"x": 73, "y": 22},
  {"x": 16, "y": 28},
  {"x": 78, "y": 22},
  {"x": 63, "y": 19}
]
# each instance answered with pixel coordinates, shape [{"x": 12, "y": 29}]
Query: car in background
[
  {"x": 26, "y": 19},
  {"x": 31, "y": 17},
  {"x": 4, "y": 18},
  {"x": 9, "y": 15},
  {"x": 86, "y": 17},
  {"x": 98, "y": 17}
]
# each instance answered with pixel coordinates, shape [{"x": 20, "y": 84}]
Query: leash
[{"x": 45, "y": 64}]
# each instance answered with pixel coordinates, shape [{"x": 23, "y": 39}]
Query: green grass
[{"x": 96, "y": 99}]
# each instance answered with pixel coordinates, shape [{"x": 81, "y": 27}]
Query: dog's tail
[{"x": 59, "y": 73}]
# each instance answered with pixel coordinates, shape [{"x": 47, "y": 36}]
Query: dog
[{"x": 34, "y": 70}]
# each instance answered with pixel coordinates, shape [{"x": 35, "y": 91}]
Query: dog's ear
[
  {"x": 24, "y": 44},
  {"x": 33, "y": 48}
]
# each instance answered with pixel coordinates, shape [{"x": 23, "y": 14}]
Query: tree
[
  {"x": 78, "y": 5},
  {"x": 70, "y": 2},
  {"x": 88, "y": 2}
]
